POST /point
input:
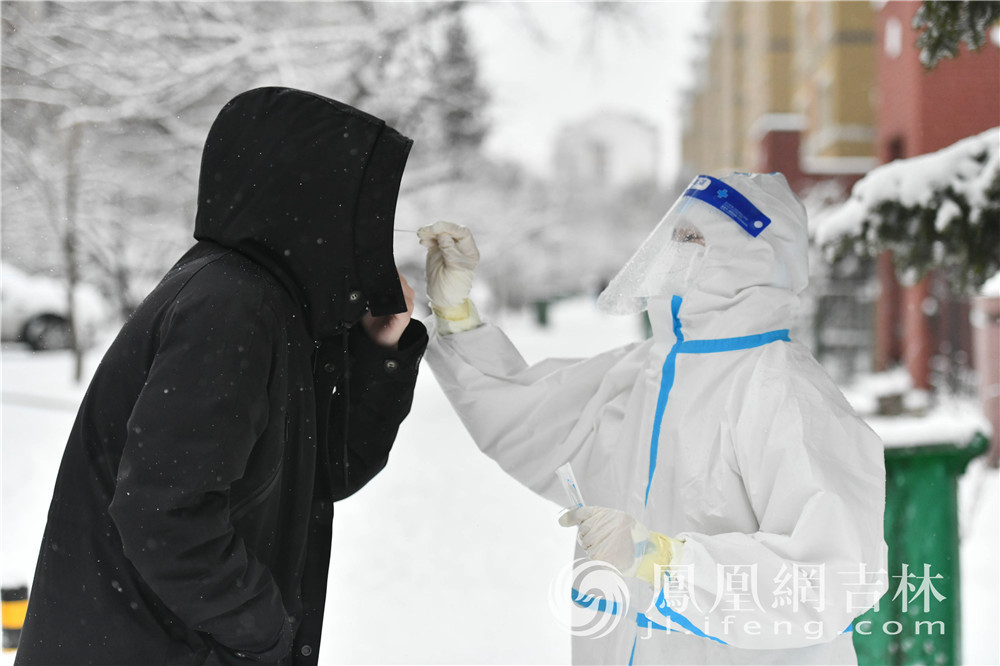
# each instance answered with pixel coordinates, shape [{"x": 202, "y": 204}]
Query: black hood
[{"x": 307, "y": 186}]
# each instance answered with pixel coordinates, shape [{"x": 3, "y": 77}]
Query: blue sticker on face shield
[{"x": 728, "y": 200}]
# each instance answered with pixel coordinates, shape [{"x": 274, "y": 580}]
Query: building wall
[
  {"x": 784, "y": 87},
  {"x": 768, "y": 76},
  {"x": 958, "y": 98},
  {"x": 730, "y": 65},
  {"x": 921, "y": 111},
  {"x": 837, "y": 70},
  {"x": 715, "y": 122}
]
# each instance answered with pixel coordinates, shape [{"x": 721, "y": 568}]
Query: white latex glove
[
  {"x": 619, "y": 539},
  {"x": 452, "y": 257}
]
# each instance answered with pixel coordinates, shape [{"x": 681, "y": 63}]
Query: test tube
[{"x": 568, "y": 481}]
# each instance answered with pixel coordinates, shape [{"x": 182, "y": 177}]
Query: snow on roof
[{"x": 916, "y": 181}]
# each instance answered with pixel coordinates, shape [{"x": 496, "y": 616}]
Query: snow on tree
[
  {"x": 947, "y": 24},
  {"x": 106, "y": 106},
  {"x": 936, "y": 211}
]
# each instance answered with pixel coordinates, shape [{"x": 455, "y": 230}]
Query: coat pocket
[{"x": 248, "y": 503}]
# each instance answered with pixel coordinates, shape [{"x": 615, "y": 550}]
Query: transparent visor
[{"x": 667, "y": 263}]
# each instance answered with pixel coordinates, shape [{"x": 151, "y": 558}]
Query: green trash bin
[{"x": 918, "y": 620}]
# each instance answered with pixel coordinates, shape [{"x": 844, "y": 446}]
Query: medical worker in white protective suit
[{"x": 725, "y": 475}]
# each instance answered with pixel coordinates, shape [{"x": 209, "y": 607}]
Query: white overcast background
[{"x": 548, "y": 64}]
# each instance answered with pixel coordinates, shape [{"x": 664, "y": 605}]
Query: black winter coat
[{"x": 191, "y": 518}]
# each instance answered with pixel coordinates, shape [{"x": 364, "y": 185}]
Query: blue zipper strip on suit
[
  {"x": 666, "y": 383},
  {"x": 682, "y": 346}
]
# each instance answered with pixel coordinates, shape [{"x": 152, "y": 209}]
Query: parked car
[{"x": 33, "y": 310}]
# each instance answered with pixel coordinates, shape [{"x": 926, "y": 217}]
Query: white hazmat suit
[{"x": 717, "y": 432}]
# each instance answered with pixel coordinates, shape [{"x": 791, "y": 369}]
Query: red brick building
[{"x": 920, "y": 111}]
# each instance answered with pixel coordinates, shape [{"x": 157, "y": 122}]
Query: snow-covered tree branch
[{"x": 936, "y": 211}]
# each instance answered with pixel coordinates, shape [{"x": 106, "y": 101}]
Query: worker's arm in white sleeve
[
  {"x": 529, "y": 419},
  {"x": 815, "y": 478}
]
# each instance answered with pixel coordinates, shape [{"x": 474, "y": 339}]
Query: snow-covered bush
[{"x": 936, "y": 211}]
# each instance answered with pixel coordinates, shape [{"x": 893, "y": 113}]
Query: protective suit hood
[
  {"x": 738, "y": 242},
  {"x": 307, "y": 187}
]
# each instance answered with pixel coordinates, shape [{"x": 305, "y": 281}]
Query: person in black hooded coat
[{"x": 191, "y": 518}]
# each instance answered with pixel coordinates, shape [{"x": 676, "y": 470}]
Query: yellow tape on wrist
[
  {"x": 453, "y": 313},
  {"x": 659, "y": 556}
]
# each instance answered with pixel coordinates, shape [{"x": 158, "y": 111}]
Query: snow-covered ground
[{"x": 442, "y": 558}]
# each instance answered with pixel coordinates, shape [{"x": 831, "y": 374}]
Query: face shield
[{"x": 698, "y": 227}]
